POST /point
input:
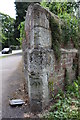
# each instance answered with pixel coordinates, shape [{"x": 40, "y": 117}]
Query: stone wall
[
  {"x": 67, "y": 62},
  {"x": 40, "y": 63}
]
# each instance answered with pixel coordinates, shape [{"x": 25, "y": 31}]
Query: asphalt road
[
  {"x": 13, "y": 52},
  {"x": 10, "y": 79}
]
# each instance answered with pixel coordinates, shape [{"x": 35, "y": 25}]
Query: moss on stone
[{"x": 56, "y": 36}]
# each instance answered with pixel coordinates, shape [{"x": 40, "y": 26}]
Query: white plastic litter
[{"x": 16, "y": 102}]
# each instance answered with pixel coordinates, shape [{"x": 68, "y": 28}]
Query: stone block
[
  {"x": 36, "y": 105},
  {"x": 39, "y": 37},
  {"x": 40, "y": 19},
  {"x": 42, "y": 37},
  {"x": 41, "y": 60},
  {"x": 36, "y": 17},
  {"x": 38, "y": 91}
]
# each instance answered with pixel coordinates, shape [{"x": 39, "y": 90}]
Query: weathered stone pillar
[{"x": 38, "y": 58}]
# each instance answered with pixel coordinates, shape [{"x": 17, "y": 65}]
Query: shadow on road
[{"x": 14, "y": 89}]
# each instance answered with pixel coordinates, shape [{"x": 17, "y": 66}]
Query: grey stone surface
[
  {"x": 38, "y": 56},
  {"x": 42, "y": 37},
  {"x": 40, "y": 65}
]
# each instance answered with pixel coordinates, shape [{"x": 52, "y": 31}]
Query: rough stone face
[
  {"x": 37, "y": 29},
  {"x": 38, "y": 60},
  {"x": 40, "y": 64},
  {"x": 42, "y": 37}
]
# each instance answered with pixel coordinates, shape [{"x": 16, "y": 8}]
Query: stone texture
[
  {"x": 40, "y": 64},
  {"x": 42, "y": 37},
  {"x": 38, "y": 60}
]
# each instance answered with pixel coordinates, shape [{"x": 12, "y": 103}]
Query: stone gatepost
[{"x": 38, "y": 56}]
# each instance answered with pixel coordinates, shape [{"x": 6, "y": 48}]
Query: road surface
[
  {"x": 11, "y": 78},
  {"x": 13, "y": 52}
]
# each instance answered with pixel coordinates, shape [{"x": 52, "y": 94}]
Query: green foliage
[
  {"x": 60, "y": 7},
  {"x": 22, "y": 31},
  {"x": 7, "y": 36},
  {"x": 21, "y": 8},
  {"x": 79, "y": 81},
  {"x": 63, "y": 32},
  {"x": 51, "y": 89},
  {"x": 75, "y": 90},
  {"x": 56, "y": 39},
  {"x": 66, "y": 105},
  {"x": 66, "y": 81},
  {"x": 70, "y": 29}
]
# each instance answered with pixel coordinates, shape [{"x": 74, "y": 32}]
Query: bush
[{"x": 67, "y": 104}]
